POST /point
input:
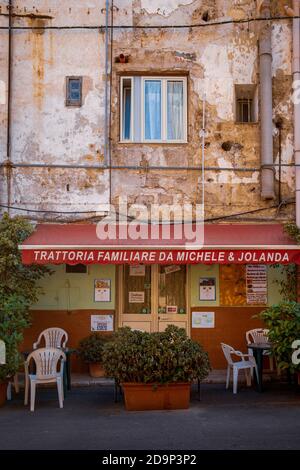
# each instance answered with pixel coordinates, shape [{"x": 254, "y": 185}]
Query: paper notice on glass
[
  {"x": 203, "y": 319},
  {"x": 172, "y": 269},
  {"x": 102, "y": 290},
  {"x": 102, "y": 323},
  {"x": 137, "y": 270},
  {"x": 136, "y": 297},
  {"x": 256, "y": 284}
]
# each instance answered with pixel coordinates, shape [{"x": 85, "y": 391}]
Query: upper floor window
[
  {"x": 76, "y": 269},
  {"x": 153, "y": 109},
  {"x": 74, "y": 91}
]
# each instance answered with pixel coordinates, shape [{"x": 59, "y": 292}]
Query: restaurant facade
[
  {"x": 242, "y": 271},
  {"x": 172, "y": 103}
]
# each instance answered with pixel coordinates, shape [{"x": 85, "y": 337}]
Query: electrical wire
[
  {"x": 143, "y": 27},
  {"x": 224, "y": 217}
]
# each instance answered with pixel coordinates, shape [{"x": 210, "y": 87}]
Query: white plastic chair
[
  {"x": 46, "y": 362},
  {"x": 243, "y": 364},
  {"x": 53, "y": 338},
  {"x": 259, "y": 335}
]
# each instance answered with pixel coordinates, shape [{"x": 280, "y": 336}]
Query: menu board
[{"x": 256, "y": 284}]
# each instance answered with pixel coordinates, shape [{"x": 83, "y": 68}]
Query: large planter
[
  {"x": 96, "y": 370},
  {"x": 3, "y": 390},
  {"x": 139, "y": 397}
]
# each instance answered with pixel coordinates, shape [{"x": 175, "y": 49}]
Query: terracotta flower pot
[
  {"x": 96, "y": 370},
  {"x": 139, "y": 397},
  {"x": 3, "y": 389}
]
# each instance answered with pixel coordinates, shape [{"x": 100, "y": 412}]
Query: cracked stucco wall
[
  {"x": 44, "y": 130},
  {"x": 214, "y": 60}
]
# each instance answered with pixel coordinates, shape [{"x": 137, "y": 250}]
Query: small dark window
[
  {"x": 74, "y": 91},
  {"x": 244, "y": 110},
  {"x": 246, "y": 103},
  {"x": 76, "y": 268}
]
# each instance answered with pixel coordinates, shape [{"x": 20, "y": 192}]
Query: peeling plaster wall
[{"x": 214, "y": 60}]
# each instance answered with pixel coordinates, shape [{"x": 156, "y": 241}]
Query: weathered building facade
[{"x": 223, "y": 68}]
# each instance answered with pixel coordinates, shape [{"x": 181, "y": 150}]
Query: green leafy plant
[
  {"x": 18, "y": 290},
  {"x": 159, "y": 358},
  {"x": 91, "y": 348},
  {"x": 283, "y": 321},
  {"x": 293, "y": 231},
  {"x": 287, "y": 284}
]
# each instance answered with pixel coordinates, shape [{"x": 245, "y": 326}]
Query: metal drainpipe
[
  {"x": 8, "y": 134},
  {"x": 296, "y": 81},
  {"x": 106, "y": 114},
  {"x": 266, "y": 110}
]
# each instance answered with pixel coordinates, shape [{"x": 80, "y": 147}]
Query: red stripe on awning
[{"x": 223, "y": 243}]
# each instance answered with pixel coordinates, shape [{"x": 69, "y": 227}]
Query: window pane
[
  {"x": 137, "y": 291},
  {"x": 172, "y": 289},
  {"x": 126, "y": 131},
  {"x": 153, "y": 110},
  {"x": 74, "y": 89},
  {"x": 175, "y": 110}
]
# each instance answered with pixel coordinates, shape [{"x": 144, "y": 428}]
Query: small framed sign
[
  {"x": 207, "y": 288},
  {"x": 102, "y": 290},
  {"x": 203, "y": 319},
  {"x": 102, "y": 323},
  {"x": 172, "y": 309}
]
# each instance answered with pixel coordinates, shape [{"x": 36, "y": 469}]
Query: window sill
[
  {"x": 125, "y": 142},
  {"x": 254, "y": 123}
]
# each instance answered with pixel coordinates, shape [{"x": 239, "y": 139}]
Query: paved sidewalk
[
  {"x": 91, "y": 420},
  {"x": 216, "y": 376}
]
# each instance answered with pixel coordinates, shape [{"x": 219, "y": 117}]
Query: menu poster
[
  {"x": 102, "y": 323},
  {"x": 207, "y": 288},
  {"x": 137, "y": 270},
  {"x": 102, "y": 290},
  {"x": 256, "y": 284},
  {"x": 136, "y": 297}
]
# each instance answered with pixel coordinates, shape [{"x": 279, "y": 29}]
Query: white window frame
[
  {"x": 122, "y": 109},
  {"x": 164, "y": 80}
]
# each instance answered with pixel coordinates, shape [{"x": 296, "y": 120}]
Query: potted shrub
[
  {"x": 91, "y": 352},
  {"x": 18, "y": 291},
  {"x": 283, "y": 321},
  {"x": 155, "y": 369}
]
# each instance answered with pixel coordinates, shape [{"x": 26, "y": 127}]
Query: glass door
[
  {"x": 172, "y": 297},
  {"x": 153, "y": 297},
  {"x": 136, "y": 297}
]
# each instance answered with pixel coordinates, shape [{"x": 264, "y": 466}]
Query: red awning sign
[
  {"x": 164, "y": 256},
  {"x": 223, "y": 244}
]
